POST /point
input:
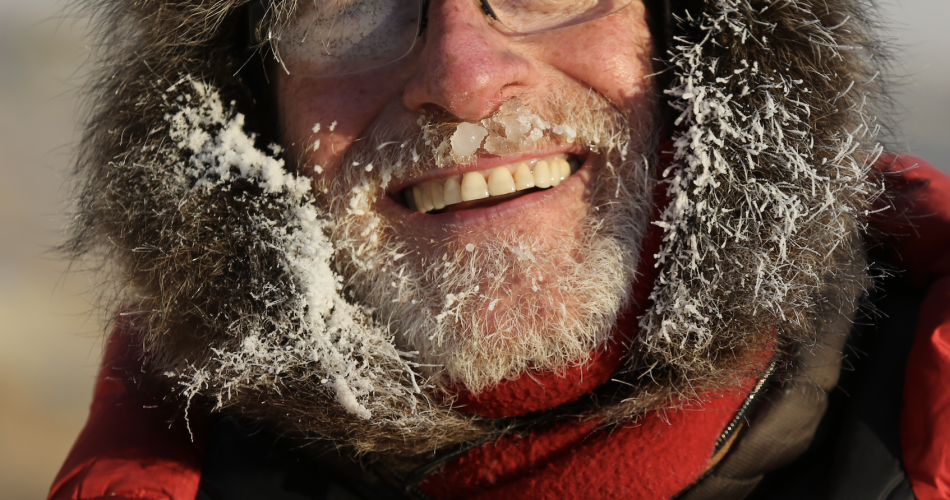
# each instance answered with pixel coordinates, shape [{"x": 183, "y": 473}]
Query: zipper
[
  {"x": 750, "y": 403},
  {"x": 408, "y": 484}
]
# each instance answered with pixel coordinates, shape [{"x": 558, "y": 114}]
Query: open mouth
[{"x": 489, "y": 187}]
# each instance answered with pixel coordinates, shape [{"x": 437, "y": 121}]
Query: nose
[{"x": 466, "y": 67}]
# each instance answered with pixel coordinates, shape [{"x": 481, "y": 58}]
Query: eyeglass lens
[
  {"x": 339, "y": 37},
  {"x": 534, "y": 16}
]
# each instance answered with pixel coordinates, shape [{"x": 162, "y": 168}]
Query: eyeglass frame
[{"x": 258, "y": 13}]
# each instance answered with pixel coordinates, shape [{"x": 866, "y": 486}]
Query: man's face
[{"x": 489, "y": 287}]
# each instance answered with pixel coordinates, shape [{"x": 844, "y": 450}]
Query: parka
[{"x": 775, "y": 203}]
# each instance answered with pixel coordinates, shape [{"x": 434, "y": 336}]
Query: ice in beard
[
  {"x": 435, "y": 296},
  {"x": 467, "y": 139}
]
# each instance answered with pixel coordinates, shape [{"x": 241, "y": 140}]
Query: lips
[{"x": 500, "y": 183}]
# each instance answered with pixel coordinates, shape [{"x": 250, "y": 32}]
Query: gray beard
[{"x": 440, "y": 301}]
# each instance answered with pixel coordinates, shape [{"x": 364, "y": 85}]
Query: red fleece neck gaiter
[
  {"x": 538, "y": 390},
  {"x": 652, "y": 457}
]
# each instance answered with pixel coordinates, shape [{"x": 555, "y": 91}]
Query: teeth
[
  {"x": 542, "y": 175},
  {"x": 453, "y": 191},
  {"x": 524, "y": 179},
  {"x": 417, "y": 198},
  {"x": 565, "y": 169},
  {"x": 555, "y": 173},
  {"x": 434, "y": 195},
  {"x": 425, "y": 199},
  {"x": 500, "y": 182},
  {"x": 474, "y": 186}
]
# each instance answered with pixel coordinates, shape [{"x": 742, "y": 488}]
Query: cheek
[
  {"x": 353, "y": 103},
  {"x": 612, "y": 55}
]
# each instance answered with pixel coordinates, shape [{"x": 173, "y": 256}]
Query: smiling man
[
  {"x": 505, "y": 249},
  {"x": 490, "y": 191}
]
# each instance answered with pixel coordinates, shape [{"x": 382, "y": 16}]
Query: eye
[{"x": 347, "y": 36}]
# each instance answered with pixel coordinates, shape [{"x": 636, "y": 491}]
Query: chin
[{"x": 537, "y": 283}]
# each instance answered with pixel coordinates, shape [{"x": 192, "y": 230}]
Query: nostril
[{"x": 511, "y": 90}]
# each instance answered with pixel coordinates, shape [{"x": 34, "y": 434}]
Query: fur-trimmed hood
[{"x": 773, "y": 106}]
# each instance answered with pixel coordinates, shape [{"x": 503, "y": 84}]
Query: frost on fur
[
  {"x": 757, "y": 207},
  {"x": 768, "y": 186},
  {"x": 322, "y": 336}
]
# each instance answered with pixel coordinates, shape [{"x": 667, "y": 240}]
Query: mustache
[{"x": 411, "y": 147}]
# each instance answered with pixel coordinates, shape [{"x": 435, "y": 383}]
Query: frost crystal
[
  {"x": 752, "y": 176},
  {"x": 468, "y": 138},
  {"x": 334, "y": 340},
  {"x": 512, "y": 128}
]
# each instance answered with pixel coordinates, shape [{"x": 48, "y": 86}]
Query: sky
[{"x": 48, "y": 332}]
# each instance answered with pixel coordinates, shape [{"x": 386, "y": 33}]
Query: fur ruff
[{"x": 775, "y": 136}]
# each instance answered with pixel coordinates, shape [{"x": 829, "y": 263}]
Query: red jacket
[{"x": 133, "y": 446}]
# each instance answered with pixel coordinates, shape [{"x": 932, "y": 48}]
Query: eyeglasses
[{"x": 339, "y": 37}]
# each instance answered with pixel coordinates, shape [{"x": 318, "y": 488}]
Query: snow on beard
[{"x": 479, "y": 313}]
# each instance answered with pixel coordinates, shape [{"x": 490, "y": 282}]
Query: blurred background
[{"x": 49, "y": 335}]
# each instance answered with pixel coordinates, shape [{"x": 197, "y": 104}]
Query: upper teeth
[{"x": 437, "y": 194}]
